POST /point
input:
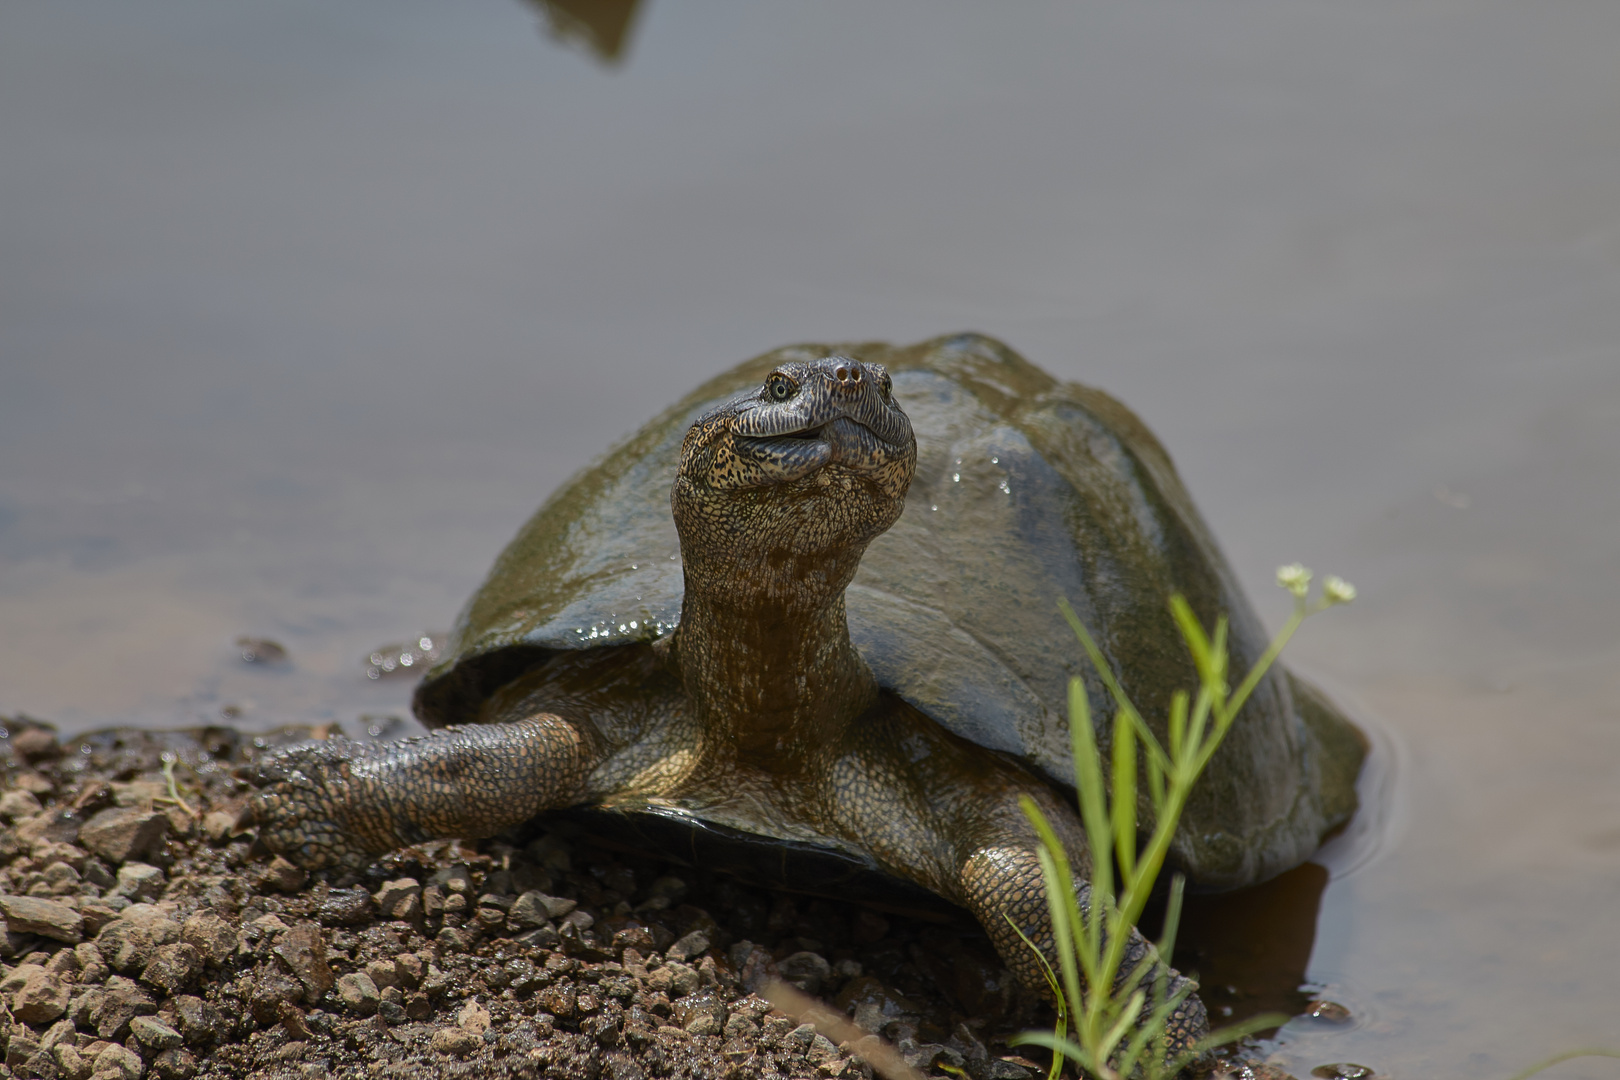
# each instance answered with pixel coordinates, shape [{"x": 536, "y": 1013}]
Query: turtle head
[{"x": 783, "y": 488}]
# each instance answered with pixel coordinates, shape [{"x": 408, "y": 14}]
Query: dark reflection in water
[
  {"x": 600, "y": 26},
  {"x": 1250, "y": 948}
]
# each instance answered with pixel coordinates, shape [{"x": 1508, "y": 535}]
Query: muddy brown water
[{"x": 304, "y": 307}]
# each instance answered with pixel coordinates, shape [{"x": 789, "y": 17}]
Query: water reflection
[
  {"x": 602, "y": 27},
  {"x": 1250, "y": 948}
]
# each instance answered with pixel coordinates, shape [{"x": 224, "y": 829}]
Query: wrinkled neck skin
[{"x": 765, "y": 656}]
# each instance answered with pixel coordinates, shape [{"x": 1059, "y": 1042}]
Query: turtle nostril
[
  {"x": 841, "y": 373},
  {"x": 847, "y": 373}
]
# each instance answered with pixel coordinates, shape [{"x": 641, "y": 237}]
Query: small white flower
[
  {"x": 1336, "y": 590},
  {"x": 1295, "y": 578}
]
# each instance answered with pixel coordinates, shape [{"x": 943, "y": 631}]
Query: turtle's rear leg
[{"x": 341, "y": 803}]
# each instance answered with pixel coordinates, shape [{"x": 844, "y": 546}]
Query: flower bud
[
  {"x": 1336, "y": 590},
  {"x": 1295, "y": 578}
]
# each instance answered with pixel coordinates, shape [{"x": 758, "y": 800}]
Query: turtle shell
[{"x": 1027, "y": 490}]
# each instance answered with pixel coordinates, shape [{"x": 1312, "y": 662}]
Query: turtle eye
[
  {"x": 888, "y": 386},
  {"x": 779, "y": 387}
]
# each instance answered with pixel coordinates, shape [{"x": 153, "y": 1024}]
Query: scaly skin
[{"x": 757, "y": 712}]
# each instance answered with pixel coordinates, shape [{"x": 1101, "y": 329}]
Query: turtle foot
[{"x": 300, "y": 808}]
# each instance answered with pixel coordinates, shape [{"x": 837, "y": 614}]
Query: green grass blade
[
  {"x": 1197, "y": 641},
  {"x": 1233, "y": 1032},
  {"x": 1178, "y": 723},
  {"x": 1156, "y": 779},
  {"x": 1062, "y": 906},
  {"x": 1221, "y": 657},
  {"x": 1235, "y": 702},
  {"x": 1061, "y": 1030},
  {"x": 1088, "y": 778},
  {"x": 1196, "y": 726},
  {"x": 1172, "y": 918},
  {"x": 1122, "y": 702},
  {"x": 1067, "y": 1047},
  {"x": 1124, "y": 796},
  {"x": 1127, "y": 1017},
  {"x": 1152, "y": 1030}
]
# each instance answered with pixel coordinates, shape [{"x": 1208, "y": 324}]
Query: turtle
[{"x": 806, "y": 622}]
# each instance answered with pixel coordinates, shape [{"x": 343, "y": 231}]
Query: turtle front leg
[
  {"x": 342, "y": 803},
  {"x": 1004, "y": 887}
]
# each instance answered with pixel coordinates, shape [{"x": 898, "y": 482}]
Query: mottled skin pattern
[{"x": 757, "y": 712}]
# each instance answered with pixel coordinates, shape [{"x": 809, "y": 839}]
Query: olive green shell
[{"x": 1027, "y": 490}]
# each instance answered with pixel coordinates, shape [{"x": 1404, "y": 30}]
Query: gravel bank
[{"x": 141, "y": 938}]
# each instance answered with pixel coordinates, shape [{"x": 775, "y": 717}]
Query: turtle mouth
[{"x": 793, "y": 455}]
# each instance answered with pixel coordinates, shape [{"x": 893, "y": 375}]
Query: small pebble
[
  {"x": 283, "y": 876},
  {"x": 457, "y": 1042},
  {"x": 154, "y": 1034},
  {"x": 1342, "y": 1070},
  {"x": 35, "y": 743},
  {"x": 261, "y": 650},
  {"x": 1331, "y": 1011}
]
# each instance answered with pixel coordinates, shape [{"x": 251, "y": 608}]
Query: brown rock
[
  {"x": 42, "y": 998},
  {"x": 84, "y": 1005},
  {"x": 559, "y": 1000},
  {"x": 303, "y": 950},
  {"x": 48, "y": 827},
  {"x": 383, "y": 973},
  {"x": 268, "y": 993},
  {"x": 61, "y": 877},
  {"x": 71, "y": 854},
  {"x": 47, "y": 918},
  {"x": 200, "y": 1023},
  {"x": 93, "y": 795},
  {"x": 694, "y": 944},
  {"x": 400, "y": 899},
  {"x": 358, "y": 993},
  {"x": 455, "y": 1041},
  {"x": 121, "y": 833},
  {"x": 120, "y": 1003},
  {"x": 96, "y": 917},
  {"x": 173, "y": 968},
  {"x": 20, "y": 1047},
  {"x": 71, "y": 1064},
  {"x": 807, "y": 971},
  {"x": 409, "y": 969},
  {"x": 344, "y": 907},
  {"x": 35, "y": 744},
  {"x": 64, "y": 962},
  {"x": 92, "y": 968},
  {"x": 219, "y": 825},
  {"x": 700, "y": 1014},
  {"x": 535, "y": 908},
  {"x": 129, "y": 942},
  {"x": 139, "y": 882},
  {"x": 211, "y": 936},
  {"x": 473, "y": 1017},
  {"x": 17, "y": 804},
  {"x": 118, "y": 1063},
  {"x": 635, "y": 939},
  {"x": 154, "y": 1034},
  {"x": 175, "y": 1064},
  {"x": 283, "y": 876}
]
